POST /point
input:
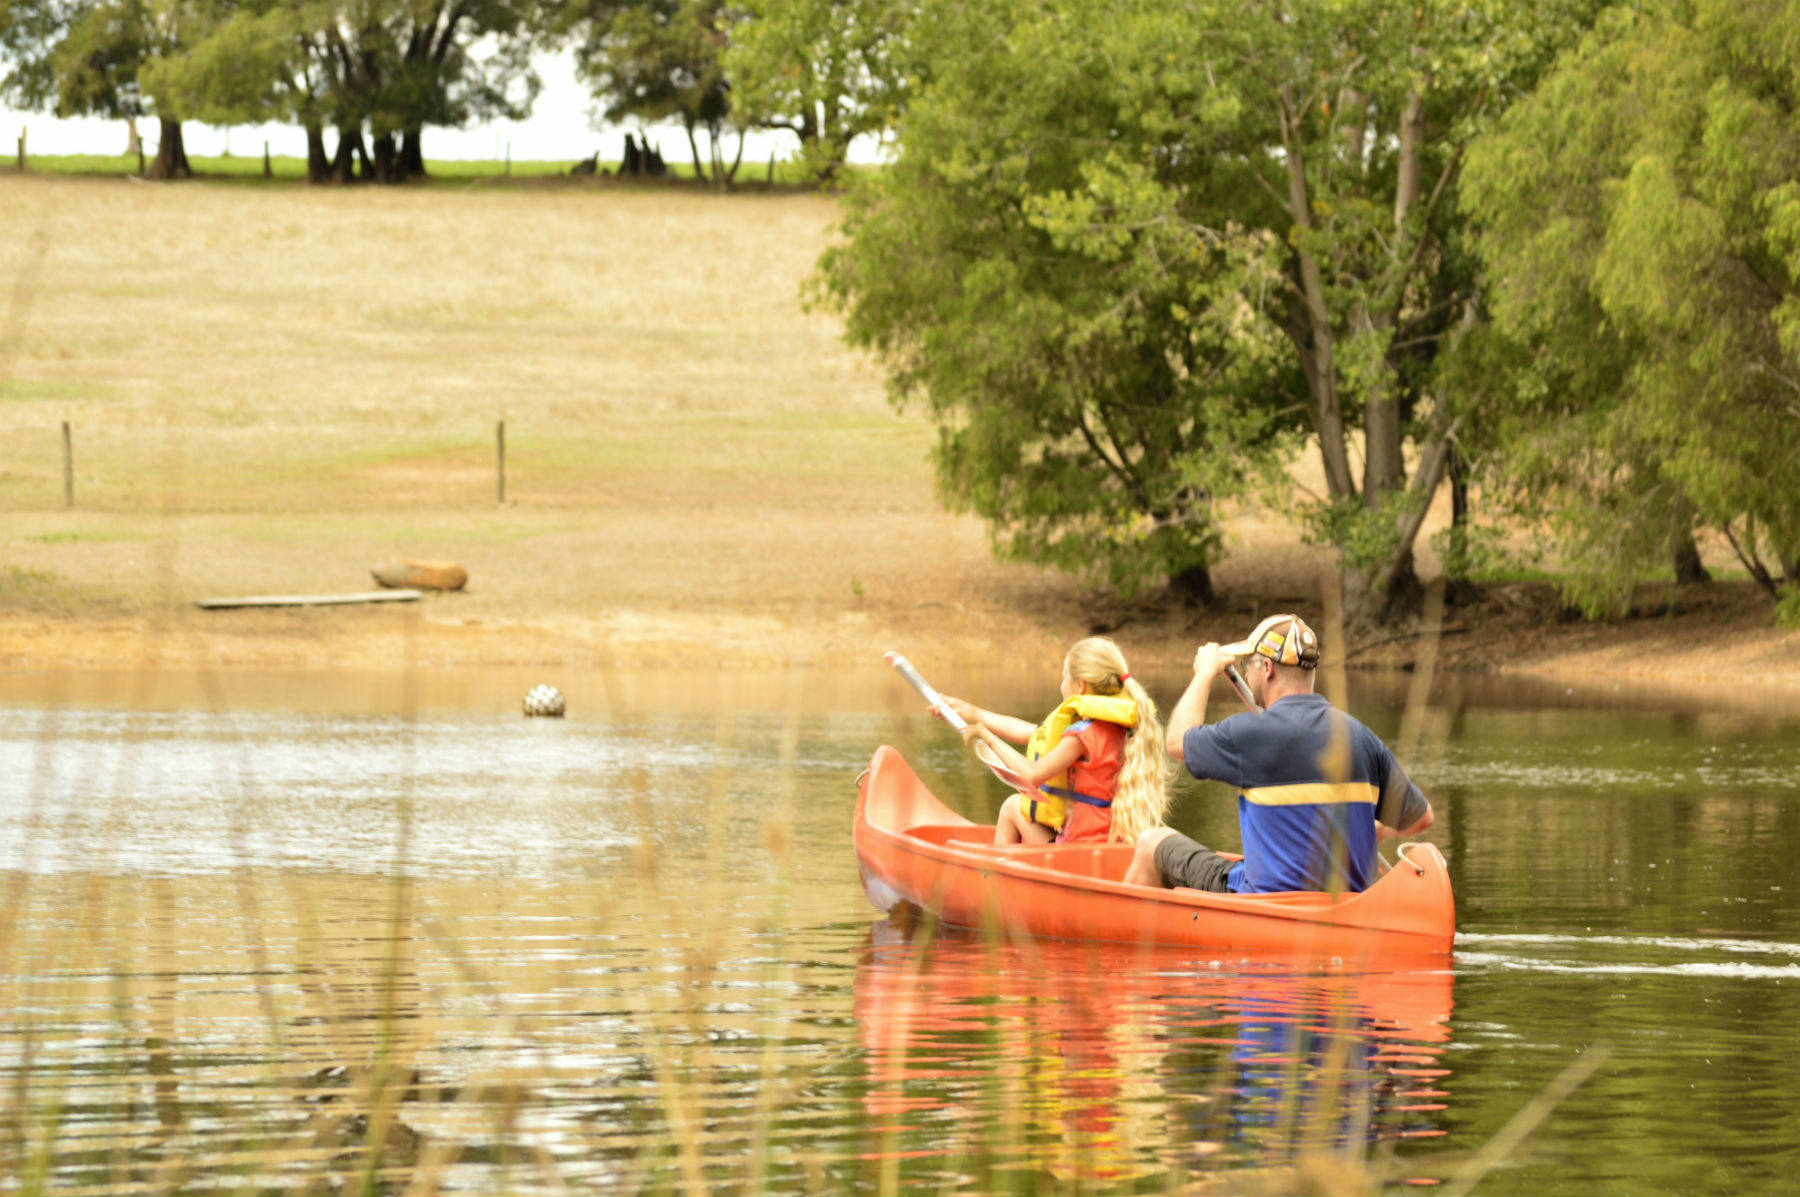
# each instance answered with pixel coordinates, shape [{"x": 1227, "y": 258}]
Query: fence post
[
  {"x": 68, "y": 467},
  {"x": 500, "y": 461}
]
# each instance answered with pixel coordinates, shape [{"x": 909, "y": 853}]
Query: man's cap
[{"x": 1284, "y": 639}]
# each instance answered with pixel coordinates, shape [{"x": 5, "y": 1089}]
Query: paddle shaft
[
  {"x": 997, "y": 765},
  {"x": 925, "y": 688},
  {"x": 1236, "y": 677}
]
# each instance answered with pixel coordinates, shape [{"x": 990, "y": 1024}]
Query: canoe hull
[{"x": 912, "y": 848}]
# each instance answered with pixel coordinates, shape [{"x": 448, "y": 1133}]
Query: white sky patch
[{"x": 563, "y": 126}]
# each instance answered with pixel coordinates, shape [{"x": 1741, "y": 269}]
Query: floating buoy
[{"x": 546, "y": 701}]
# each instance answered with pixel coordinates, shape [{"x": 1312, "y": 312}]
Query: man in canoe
[{"x": 1316, "y": 789}]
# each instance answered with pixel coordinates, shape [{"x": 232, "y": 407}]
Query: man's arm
[
  {"x": 1190, "y": 711},
  {"x": 1384, "y": 832},
  {"x": 1404, "y": 810}
]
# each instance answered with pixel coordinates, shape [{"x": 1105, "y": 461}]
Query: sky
[{"x": 562, "y": 127}]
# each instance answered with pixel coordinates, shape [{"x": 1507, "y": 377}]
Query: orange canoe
[{"x": 911, "y": 847}]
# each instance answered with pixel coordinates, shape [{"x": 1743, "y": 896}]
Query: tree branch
[
  {"x": 1425, "y": 482},
  {"x": 1751, "y": 561}
]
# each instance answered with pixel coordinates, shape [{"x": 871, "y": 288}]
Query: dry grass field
[{"x": 273, "y": 389}]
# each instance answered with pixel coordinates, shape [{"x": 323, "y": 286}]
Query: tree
[
  {"x": 1031, "y": 268},
  {"x": 1360, "y": 115},
  {"x": 658, "y": 61},
  {"x": 1654, "y": 287},
  {"x": 1294, "y": 164},
  {"x": 247, "y": 69},
  {"x": 87, "y": 59},
  {"x": 391, "y": 66},
  {"x": 827, "y": 71},
  {"x": 397, "y": 66}
]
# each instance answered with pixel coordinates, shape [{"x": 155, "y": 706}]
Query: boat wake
[{"x": 1665, "y": 955}]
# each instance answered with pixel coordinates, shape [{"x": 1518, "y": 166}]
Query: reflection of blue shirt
[{"x": 1311, "y": 783}]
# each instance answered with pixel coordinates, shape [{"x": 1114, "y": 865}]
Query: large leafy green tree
[
  {"x": 1249, "y": 208},
  {"x": 827, "y": 71},
  {"x": 659, "y": 60},
  {"x": 91, "y": 57},
  {"x": 1649, "y": 287},
  {"x": 1037, "y": 267},
  {"x": 248, "y": 68},
  {"x": 390, "y": 67},
  {"x": 394, "y": 67}
]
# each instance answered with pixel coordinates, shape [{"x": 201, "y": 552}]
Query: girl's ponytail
[{"x": 1141, "y": 795}]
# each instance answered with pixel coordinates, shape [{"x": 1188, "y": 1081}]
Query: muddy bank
[{"x": 1718, "y": 637}]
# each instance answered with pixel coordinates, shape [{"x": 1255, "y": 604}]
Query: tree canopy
[
  {"x": 386, "y": 67},
  {"x": 1649, "y": 291},
  {"x": 1202, "y": 225},
  {"x": 1031, "y": 269},
  {"x": 660, "y": 61},
  {"x": 827, "y": 71}
]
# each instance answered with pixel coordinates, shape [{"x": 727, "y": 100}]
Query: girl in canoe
[{"x": 1098, "y": 762}]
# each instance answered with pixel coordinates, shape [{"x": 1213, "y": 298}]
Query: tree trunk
[
  {"x": 412, "y": 154},
  {"x": 134, "y": 145},
  {"x": 318, "y": 166},
  {"x": 1384, "y": 470},
  {"x": 1689, "y": 570},
  {"x": 1377, "y": 596},
  {"x": 1368, "y": 606},
  {"x": 171, "y": 158},
  {"x": 387, "y": 162},
  {"x": 1412, "y": 139},
  {"x": 349, "y": 149},
  {"x": 1314, "y": 337},
  {"x": 731, "y": 174},
  {"x": 1193, "y": 586},
  {"x": 1353, "y": 104},
  {"x": 1459, "y": 490},
  {"x": 694, "y": 151},
  {"x": 1751, "y": 559}
]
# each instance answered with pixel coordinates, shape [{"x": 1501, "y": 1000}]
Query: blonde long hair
[{"x": 1141, "y": 797}]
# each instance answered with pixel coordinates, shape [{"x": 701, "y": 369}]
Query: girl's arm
[
  {"x": 1032, "y": 773},
  {"x": 1007, "y": 727},
  {"x": 1052, "y": 763}
]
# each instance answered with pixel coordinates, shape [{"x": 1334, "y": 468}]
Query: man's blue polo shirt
[{"x": 1311, "y": 783}]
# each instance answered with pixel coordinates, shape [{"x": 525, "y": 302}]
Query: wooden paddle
[{"x": 1002, "y": 760}]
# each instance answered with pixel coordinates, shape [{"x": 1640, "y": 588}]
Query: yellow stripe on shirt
[{"x": 1314, "y": 793}]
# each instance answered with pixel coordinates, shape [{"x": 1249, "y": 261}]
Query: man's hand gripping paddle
[{"x": 987, "y": 748}]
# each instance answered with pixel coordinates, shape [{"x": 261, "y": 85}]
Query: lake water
[{"x": 314, "y": 933}]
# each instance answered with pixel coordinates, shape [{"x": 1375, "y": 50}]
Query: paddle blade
[{"x": 985, "y": 753}]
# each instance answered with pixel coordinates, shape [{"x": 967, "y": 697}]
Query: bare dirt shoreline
[{"x": 1716, "y": 637}]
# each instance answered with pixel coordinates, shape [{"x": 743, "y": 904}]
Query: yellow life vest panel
[{"x": 1051, "y": 808}]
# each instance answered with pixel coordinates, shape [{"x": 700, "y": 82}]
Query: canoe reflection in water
[{"x": 1102, "y": 1063}]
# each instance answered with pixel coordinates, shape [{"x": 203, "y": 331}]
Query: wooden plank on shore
[{"x": 310, "y": 600}]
